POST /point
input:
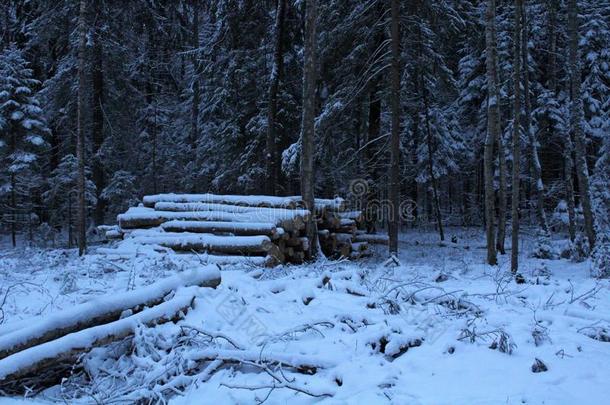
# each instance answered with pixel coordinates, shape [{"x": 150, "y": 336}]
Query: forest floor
[{"x": 441, "y": 327}]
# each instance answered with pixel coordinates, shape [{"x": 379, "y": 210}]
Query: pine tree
[
  {"x": 62, "y": 195},
  {"x": 22, "y": 135}
]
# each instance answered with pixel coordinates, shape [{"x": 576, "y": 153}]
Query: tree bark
[
  {"x": 80, "y": 149},
  {"x": 272, "y": 157},
  {"x": 514, "y": 256},
  {"x": 569, "y": 182},
  {"x": 394, "y": 170},
  {"x": 493, "y": 117},
  {"x": 502, "y": 202},
  {"x": 13, "y": 211},
  {"x": 307, "y": 123},
  {"x": 576, "y": 122}
]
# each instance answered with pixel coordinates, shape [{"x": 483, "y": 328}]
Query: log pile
[{"x": 229, "y": 228}]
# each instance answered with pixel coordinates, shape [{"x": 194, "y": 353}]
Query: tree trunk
[
  {"x": 514, "y": 255},
  {"x": 576, "y": 122},
  {"x": 194, "y": 135},
  {"x": 536, "y": 169},
  {"x": 394, "y": 172},
  {"x": 70, "y": 235},
  {"x": 272, "y": 157},
  {"x": 80, "y": 150},
  {"x": 552, "y": 61},
  {"x": 493, "y": 118},
  {"x": 13, "y": 211},
  {"x": 98, "y": 121},
  {"x": 502, "y": 202},
  {"x": 569, "y": 181},
  {"x": 308, "y": 124}
]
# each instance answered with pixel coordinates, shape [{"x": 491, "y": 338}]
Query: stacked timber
[{"x": 264, "y": 230}]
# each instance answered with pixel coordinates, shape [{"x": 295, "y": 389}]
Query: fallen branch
[{"x": 44, "y": 364}]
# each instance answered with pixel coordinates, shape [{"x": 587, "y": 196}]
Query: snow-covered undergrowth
[{"x": 440, "y": 328}]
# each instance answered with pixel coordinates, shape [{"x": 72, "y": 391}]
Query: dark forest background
[{"x": 180, "y": 95}]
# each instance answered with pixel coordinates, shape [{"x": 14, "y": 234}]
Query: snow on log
[
  {"x": 215, "y": 227},
  {"x": 292, "y": 219},
  {"x": 141, "y": 217},
  {"x": 243, "y": 200},
  {"x": 101, "y": 310},
  {"x": 34, "y": 361},
  {"x": 203, "y": 242},
  {"x": 355, "y": 215},
  {"x": 334, "y": 204}
]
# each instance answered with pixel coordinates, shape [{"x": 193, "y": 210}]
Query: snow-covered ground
[{"x": 440, "y": 328}]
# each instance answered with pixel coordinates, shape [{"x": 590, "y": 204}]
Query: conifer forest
[{"x": 305, "y": 201}]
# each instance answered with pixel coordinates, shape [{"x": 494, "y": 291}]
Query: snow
[
  {"x": 248, "y": 200},
  {"x": 243, "y": 200},
  {"x": 10, "y": 336},
  {"x": 206, "y": 240},
  {"x": 417, "y": 333},
  {"x": 220, "y": 226}
]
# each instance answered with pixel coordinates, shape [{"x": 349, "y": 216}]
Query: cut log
[
  {"x": 241, "y": 200},
  {"x": 372, "y": 239},
  {"x": 238, "y": 245},
  {"x": 357, "y": 216},
  {"x": 235, "y": 228},
  {"x": 345, "y": 250},
  {"x": 345, "y": 238},
  {"x": 100, "y": 311},
  {"x": 335, "y": 204},
  {"x": 264, "y": 261},
  {"x": 360, "y": 246},
  {"x": 140, "y": 217},
  {"x": 45, "y": 363}
]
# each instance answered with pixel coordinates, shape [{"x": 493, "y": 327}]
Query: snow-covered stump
[{"x": 100, "y": 311}]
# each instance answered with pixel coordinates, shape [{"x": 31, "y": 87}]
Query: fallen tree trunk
[
  {"x": 44, "y": 364},
  {"x": 100, "y": 311}
]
